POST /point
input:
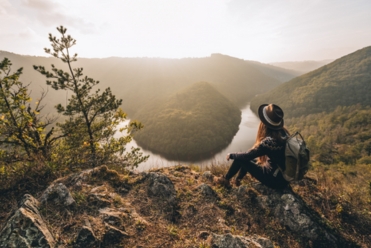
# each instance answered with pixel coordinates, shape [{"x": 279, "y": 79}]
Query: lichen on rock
[
  {"x": 59, "y": 194},
  {"x": 26, "y": 228}
]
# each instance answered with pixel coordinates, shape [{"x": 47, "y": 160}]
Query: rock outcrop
[
  {"x": 207, "y": 191},
  {"x": 292, "y": 213},
  {"x": 161, "y": 186},
  {"x": 26, "y": 228},
  {"x": 59, "y": 194},
  {"x": 162, "y": 191},
  {"x": 168, "y": 207}
]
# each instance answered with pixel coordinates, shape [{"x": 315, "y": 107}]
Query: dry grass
[{"x": 342, "y": 195}]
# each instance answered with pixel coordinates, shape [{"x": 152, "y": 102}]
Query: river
[{"x": 242, "y": 141}]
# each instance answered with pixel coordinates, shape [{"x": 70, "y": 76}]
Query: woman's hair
[{"x": 264, "y": 132}]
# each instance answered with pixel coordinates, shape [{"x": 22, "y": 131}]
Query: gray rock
[
  {"x": 161, "y": 186},
  {"x": 207, "y": 175},
  {"x": 207, "y": 191},
  {"x": 58, "y": 193},
  {"x": 229, "y": 240},
  {"x": 292, "y": 213},
  {"x": 85, "y": 238},
  {"x": 26, "y": 227},
  {"x": 162, "y": 191}
]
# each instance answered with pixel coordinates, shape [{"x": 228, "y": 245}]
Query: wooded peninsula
[{"x": 192, "y": 124}]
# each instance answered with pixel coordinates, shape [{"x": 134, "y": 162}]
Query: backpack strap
[{"x": 297, "y": 168}]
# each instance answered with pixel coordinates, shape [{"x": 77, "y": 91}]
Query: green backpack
[{"x": 297, "y": 158}]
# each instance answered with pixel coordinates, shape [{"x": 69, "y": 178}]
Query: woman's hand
[{"x": 228, "y": 156}]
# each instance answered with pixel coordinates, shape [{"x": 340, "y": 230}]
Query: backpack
[{"x": 297, "y": 158}]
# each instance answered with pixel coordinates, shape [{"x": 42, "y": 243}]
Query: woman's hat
[{"x": 271, "y": 115}]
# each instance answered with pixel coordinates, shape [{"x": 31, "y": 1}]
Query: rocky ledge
[{"x": 168, "y": 207}]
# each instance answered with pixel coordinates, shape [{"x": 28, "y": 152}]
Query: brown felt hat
[{"x": 271, "y": 115}]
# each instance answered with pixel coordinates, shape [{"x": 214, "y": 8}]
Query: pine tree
[
  {"x": 23, "y": 134},
  {"x": 92, "y": 116}
]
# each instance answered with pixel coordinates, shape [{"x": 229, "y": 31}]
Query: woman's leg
[
  {"x": 265, "y": 177},
  {"x": 236, "y": 166}
]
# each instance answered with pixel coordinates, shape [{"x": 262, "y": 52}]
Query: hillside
[
  {"x": 154, "y": 78},
  {"x": 342, "y": 136},
  {"x": 344, "y": 82},
  {"x": 176, "y": 207},
  {"x": 302, "y": 66},
  {"x": 193, "y": 123}
]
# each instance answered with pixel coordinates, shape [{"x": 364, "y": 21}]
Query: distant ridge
[
  {"x": 139, "y": 81},
  {"x": 344, "y": 82},
  {"x": 302, "y": 66}
]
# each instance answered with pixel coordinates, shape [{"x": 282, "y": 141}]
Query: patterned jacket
[{"x": 274, "y": 149}]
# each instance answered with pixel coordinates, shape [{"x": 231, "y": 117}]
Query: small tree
[
  {"x": 23, "y": 135},
  {"x": 92, "y": 117}
]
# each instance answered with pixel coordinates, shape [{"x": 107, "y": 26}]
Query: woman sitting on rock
[{"x": 269, "y": 149}]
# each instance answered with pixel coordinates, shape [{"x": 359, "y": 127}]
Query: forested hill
[
  {"x": 140, "y": 80},
  {"x": 192, "y": 124},
  {"x": 344, "y": 82}
]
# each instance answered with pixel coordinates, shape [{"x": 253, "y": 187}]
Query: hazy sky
[{"x": 262, "y": 30}]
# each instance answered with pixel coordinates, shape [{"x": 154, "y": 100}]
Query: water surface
[{"x": 242, "y": 141}]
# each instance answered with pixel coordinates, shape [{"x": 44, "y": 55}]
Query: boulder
[
  {"x": 292, "y": 212},
  {"x": 26, "y": 227},
  {"x": 161, "y": 186},
  {"x": 207, "y": 191},
  {"x": 59, "y": 194},
  {"x": 207, "y": 175},
  {"x": 162, "y": 191}
]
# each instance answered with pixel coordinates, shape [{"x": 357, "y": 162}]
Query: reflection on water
[{"x": 242, "y": 141}]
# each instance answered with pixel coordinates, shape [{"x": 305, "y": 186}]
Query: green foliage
[
  {"x": 344, "y": 82},
  {"x": 342, "y": 136},
  {"x": 191, "y": 124},
  {"x": 23, "y": 134},
  {"x": 92, "y": 116}
]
